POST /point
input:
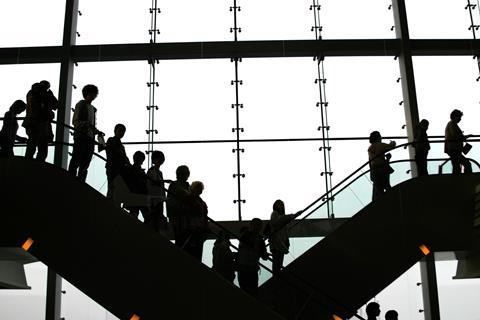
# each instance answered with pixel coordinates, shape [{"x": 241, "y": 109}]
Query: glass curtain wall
[{"x": 257, "y": 118}]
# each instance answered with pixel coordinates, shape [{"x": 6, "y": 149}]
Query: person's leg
[
  {"x": 88, "y": 148},
  {"x": 75, "y": 160},
  {"x": 42, "y": 142},
  {"x": 277, "y": 261},
  {"x": 455, "y": 158},
  {"x": 467, "y": 166},
  {"x": 32, "y": 134},
  {"x": 422, "y": 164}
]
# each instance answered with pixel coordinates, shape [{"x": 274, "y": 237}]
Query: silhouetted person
[
  {"x": 422, "y": 146},
  {"x": 136, "y": 180},
  {"x": 156, "y": 187},
  {"x": 223, "y": 259},
  {"x": 117, "y": 160},
  {"x": 40, "y": 106},
  {"x": 279, "y": 242},
  {"x": 373, "y": 311},
  {"x": 84, "y": 122},
  {"x": 177, "y": 205},
  {"x": 380, "y": 169},
  {"x": 251, "y": 249},
  {"x": 454, "y": 144},
  {"x": 197, "y": 223},
  {"x": 8, "y": 134},
  {"x": 391, "y": 315}
]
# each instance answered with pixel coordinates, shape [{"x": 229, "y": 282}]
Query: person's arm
[{"x": 52, "y": 101}]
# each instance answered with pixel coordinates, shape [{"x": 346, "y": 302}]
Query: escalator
[
  {"x": 373, "y": 248},
  {"x": 115, "y": 260}
]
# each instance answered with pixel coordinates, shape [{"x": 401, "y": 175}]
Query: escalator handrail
[{"x": 328, "y": 194}]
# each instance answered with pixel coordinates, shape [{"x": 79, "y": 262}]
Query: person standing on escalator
[
  {"x": 454, "y": 144},
  {"x": 41, "y": 103},
  {"x": 380, "y": 168},
  {"x": 421, "y": 146},
  {"x": 8, "y": 134},
  {"x": 84, "y": 122}
]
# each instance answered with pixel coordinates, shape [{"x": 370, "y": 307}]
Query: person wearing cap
[{"x": 454, "y": 141}]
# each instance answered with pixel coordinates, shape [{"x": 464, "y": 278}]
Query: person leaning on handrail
[
  {"x": 380, "y": 169},
  {"x": 454, "y": 144}
]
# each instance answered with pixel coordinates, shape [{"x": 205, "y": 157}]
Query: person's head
[
  {"x": 183, "y": 173},
  {"x": 256, "y": 225},
  {"x": 158, "y": 158},
  {"x": 279, "y": 206},
  {"x": 456, "y": 115},
  {"x": 196, "y": 188},
  {"x": 423, "y": 124},
  {"x": 375, "y": 136},
  {"x": 90, "y": 92},
  {"x": 18, "y": 107},
  {"x": 138, "y": 158},
  {"x": 119, "y": 130},
  {"x": 373, "y": 310},
  {"x": 391, "y": 315},
  {"x": 45, "y": 84}
]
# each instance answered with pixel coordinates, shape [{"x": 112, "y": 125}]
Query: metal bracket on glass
[
  {"x": 315, "y": 6},
  {"x": 242, "y": 201},
  {"x": 323, "y": 127},
  {"x": 152, "y": 107},
  {"x": 328, "y": 172},
  {"x": 149, "y": 84},
  {"x": 241, "y": 175},
  {"x": 239, "y": 59},
  {"x": 238, "y": 149},
  {"x": 238, "y": 129},
  {"x": 155, "y": 10},
  {"x": 239, "y": 105},
  {"x": 151, "y": 31},
  {"x": 400, "y": 103},
  {"x": 319, "y": 28},
  {"x": 473, "y": 6},
  {"x": 235, "y": 29},
  {"x": 320, "y": 80},
  {"x": 237, "y": 8},
  {"x": 322, "y": 103},
  {"x": 151, "y": 130},
  {"x": 153, "y": 61},
  {"x": 326, "y": 148},
  {"x": 398, "y": 79},
  {"x": 240, "y": 82}
]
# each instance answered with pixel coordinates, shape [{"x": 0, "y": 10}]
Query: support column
[
  {"x": 54, "y": 282},
  {"x": 427, "y": 265}
]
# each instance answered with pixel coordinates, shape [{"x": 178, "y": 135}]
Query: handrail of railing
[{"x": 327, "y": 196}]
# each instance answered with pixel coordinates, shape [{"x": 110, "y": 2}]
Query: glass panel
[
  {"x": 458, "y": 298},
  {"x": 353, "y": 19},
  {"x": 31, "y": 23},
  {"x": 26, "y": 304},
  {"x": 113, "y": 21},
  {"x": 447, "y": 19},
  {"x": 185, "y": 21},
  {"x": 282, "y": 170},
  {"x": 194, "y": 99},
  {"x": 361, "y": 91},
  {"x": 274, "y": 19},
  {"x": 279, "y": 97}
]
